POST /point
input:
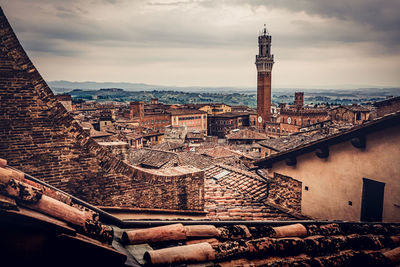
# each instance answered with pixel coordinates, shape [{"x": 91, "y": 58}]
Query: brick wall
[
  {"x": 118, "y": 149},
  {"x": 387, "y": 106},
  {"x": 285, "y": 191},
  {"x": 39, "y": 137}
]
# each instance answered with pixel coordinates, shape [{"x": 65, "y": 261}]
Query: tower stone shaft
[{"x": 264, "y": 63}]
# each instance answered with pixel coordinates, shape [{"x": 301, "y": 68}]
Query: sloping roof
[
  {"x": 386, "y": 121},
  {"x": 291, "y": 141},
  {"x": 195, "y": 160},
  {"x": 154, "y": 158},
  {"x": 99, "y": 134},
  {"x": 246, "y": 134},
  {"x": 234, "y": 194},
  {"x": 169, "y": 145},
  {"x": 219, "y": 152}
]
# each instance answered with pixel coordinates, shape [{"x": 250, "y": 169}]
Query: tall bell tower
[{"x": 264, "y": 63}]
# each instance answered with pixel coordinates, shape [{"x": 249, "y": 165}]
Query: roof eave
[{"x": 384, "y": 122}]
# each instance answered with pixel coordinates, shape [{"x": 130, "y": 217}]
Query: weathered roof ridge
[
  {"x": 18, "y": 193},
  {"x": 389, "y": 120}
]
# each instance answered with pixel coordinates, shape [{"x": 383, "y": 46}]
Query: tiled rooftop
[
  {"x": 169, "y": 146},
  {"x": 154, "y": 158},
  {"x": 326, "y": 244},
  {"x": 160, "y": 159},
  {"x": 291, "y": 141},
  {"x": 219, "y": 152},
  {"x": 234, "y": 194}
]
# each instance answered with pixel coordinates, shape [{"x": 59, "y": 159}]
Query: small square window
[
  {"x": 306, "y": 188},
  {"x": 350, "y": 203}
]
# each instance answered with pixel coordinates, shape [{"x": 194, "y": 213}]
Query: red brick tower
[
  {"x": 137, "y": 109},
  {"x": 264, "y": 63},
  {"x": 298, "y": 100}
]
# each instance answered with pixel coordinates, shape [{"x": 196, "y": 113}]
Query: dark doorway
[{"x": 372, "y": 200}]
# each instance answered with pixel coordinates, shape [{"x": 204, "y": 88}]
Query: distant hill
[
  {"x": 230, "y": 95},
  {"x": 65, "y": 86}
]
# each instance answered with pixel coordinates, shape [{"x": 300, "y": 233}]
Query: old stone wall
[
  {"x": 285, "y": 191},
  {"x": 39, "y": 137}
]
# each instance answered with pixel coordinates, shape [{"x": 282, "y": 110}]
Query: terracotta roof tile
[
  {"x": 327, "y": 244},
  {"x": 239, "y": 191}
]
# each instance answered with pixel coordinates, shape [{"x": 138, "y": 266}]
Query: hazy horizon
[
  {"x": 58, "y": 83},
  {"x": 316, "y": 43}
]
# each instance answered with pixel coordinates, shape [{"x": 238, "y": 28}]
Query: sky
[{"x": 316, "y": 43}]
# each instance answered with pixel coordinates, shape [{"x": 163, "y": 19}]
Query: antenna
[{"x": 265, "y": 29}]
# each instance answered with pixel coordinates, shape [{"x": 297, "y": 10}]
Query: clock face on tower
[
  {"x": 259, "y": 119},
  {"x": 289, "y": 120}
]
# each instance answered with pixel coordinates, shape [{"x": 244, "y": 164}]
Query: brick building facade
[
  {"x": 220, "y": 125},
  {"x": 296, "y": 116},
  {"x": 194, "y": 120}
]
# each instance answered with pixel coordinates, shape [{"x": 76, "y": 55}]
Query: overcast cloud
[{"x": 211, "y": 42}]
